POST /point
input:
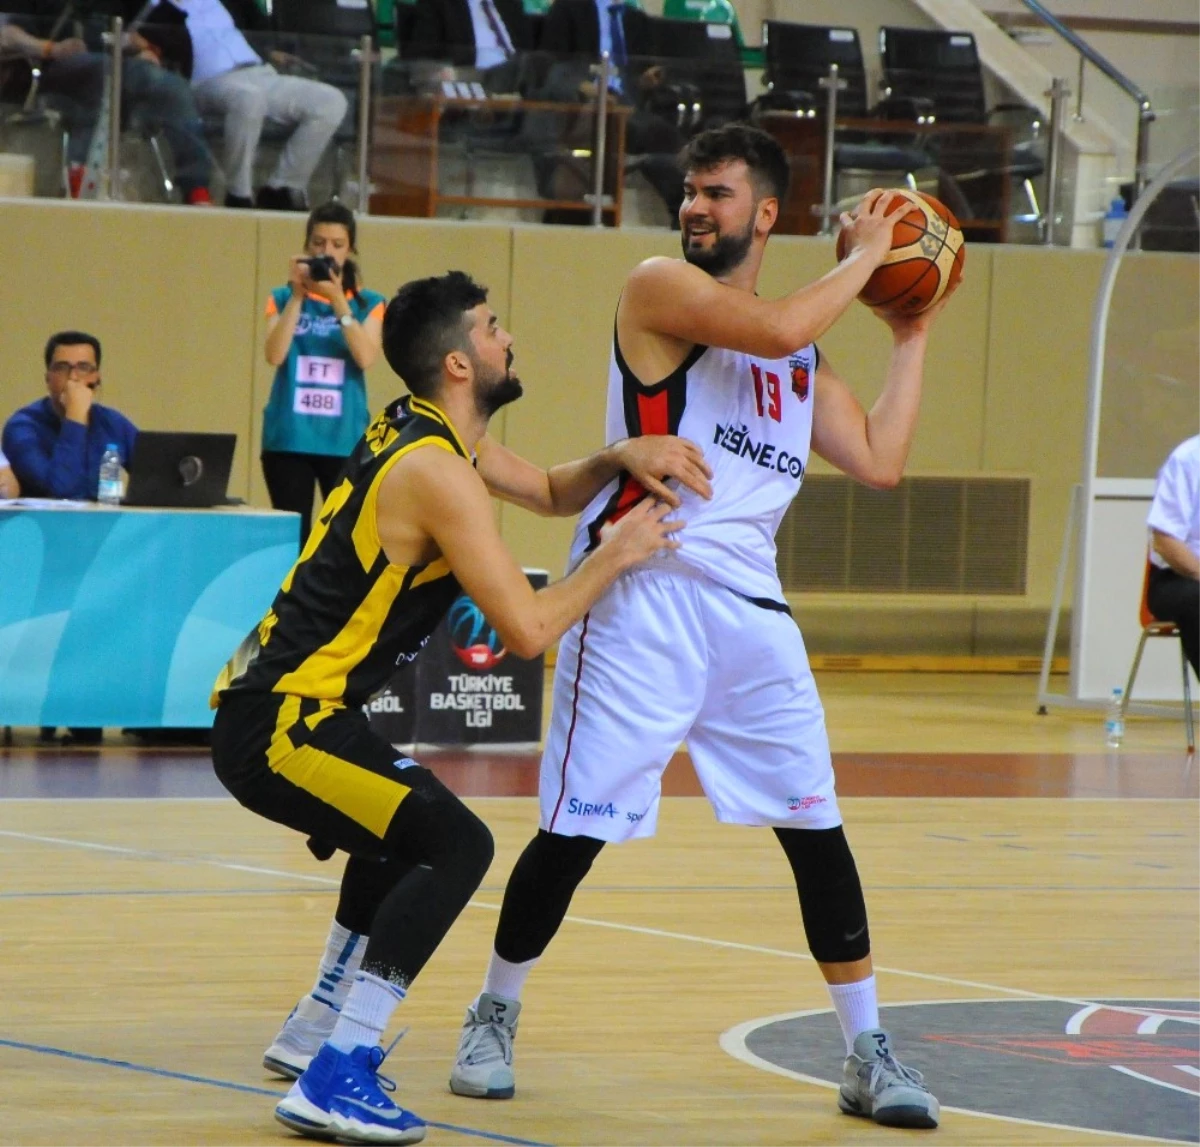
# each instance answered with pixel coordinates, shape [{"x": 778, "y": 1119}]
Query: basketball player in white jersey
[{"x": 698, "y": 645}]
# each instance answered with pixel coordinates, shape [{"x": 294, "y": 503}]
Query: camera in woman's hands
[{"x": 321, "y": 268}]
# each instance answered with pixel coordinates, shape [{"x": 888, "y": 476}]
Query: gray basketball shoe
[
  {"x": 876, "y": 1086},
  {"x": 483, "y": 1067},
  {"x": 310, "y": 1024}
]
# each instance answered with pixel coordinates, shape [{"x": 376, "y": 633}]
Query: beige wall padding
[{"x": 177, "y": 297}]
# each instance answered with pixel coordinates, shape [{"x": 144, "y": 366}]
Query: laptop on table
[{"x": 177, "y": 469}]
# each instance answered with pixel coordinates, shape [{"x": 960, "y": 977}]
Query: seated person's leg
[
  {"x": 317, "y": 110},
  {"x": 1173, "y": 597},
  {"x": 74, "y": 88},
  {"x": 162, "y": 100},
  {"x": 239, "y": 97},
  {"x": 659, "y": 142},
  {"x": 550, "y": 137}
]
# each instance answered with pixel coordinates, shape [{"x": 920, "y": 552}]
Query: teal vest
[{"x": 318, "y": 402}]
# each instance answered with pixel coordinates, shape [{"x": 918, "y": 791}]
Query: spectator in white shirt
[
  {"x": 231, "y": 79},
  {"x": 1174, "y": 521}
]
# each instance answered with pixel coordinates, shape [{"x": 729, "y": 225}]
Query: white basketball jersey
[{"x": 752, "y": 417}]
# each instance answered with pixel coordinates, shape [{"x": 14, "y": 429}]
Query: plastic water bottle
[
  {"x": 1114, "y": 723},
  {"x": 1114, "y": 220},
  {"x": 111, "y": 486}
]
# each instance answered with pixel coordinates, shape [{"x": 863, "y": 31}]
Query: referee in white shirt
[{"x": 1174, "y": 521}]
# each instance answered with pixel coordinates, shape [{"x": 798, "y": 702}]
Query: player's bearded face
[
  {"x": 495, "y": 388},
  {"x": 706, "y": 247}
]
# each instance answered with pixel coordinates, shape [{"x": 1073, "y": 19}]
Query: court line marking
[
  {"x": 229, "y": 1085},
  {"x": 1150, "y": 1079},
  {"x": 686, "y": 937},
  {"x": 733, "y": 1042},
  {"x": 83, "y": 893}
]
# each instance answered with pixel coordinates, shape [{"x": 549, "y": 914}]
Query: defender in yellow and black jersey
[
  {"x": 345, "y": 615},
  {"x": 409, "y": 521}
]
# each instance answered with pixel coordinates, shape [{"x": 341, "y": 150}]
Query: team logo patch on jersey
[
  {"x": 799, "y": 369},
  {"x": 476, "y": 644},
  {"x": 795, "y": 804}
]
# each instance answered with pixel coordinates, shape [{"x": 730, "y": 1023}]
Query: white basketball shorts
[{"x": 668, "y": 657}]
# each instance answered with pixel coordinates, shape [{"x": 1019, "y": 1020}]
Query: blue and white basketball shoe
[{"x": 341, "y": 1096}]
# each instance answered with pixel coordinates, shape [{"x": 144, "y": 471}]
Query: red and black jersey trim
[{"x": 656, "y": 409}]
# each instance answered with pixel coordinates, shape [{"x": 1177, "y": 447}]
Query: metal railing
[{"x": 1088, "y": 54}]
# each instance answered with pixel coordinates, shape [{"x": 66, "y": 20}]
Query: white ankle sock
[
  {"x": 505, "y": 979},
  {"x": 343, "y": 954},
  {"x": 857, "y": 1008},
  {"x": 365, "y": 1014}
]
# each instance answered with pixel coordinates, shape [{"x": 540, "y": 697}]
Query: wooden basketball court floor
[{"x": 154, "y": 934}]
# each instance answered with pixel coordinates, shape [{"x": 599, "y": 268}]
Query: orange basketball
[{"x": 925, "y": 262}]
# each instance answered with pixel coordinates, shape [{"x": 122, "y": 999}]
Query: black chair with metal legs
[
  {"x": 1153, "y": 627},
  {"x": 797, "y": 61},
  {"x": 944, "y": 67}
]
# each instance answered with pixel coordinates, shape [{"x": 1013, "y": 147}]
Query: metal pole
[
  {"x": 598, "y": 151},
  {"x": 364, "y": 125},
  {"x": 1060, "y": 583},
  {"x": 1079, "y": 91},
  {"x": 1095, "y": 385},
  {"x": 112, "y": 182},
  {"x": 1058, "y": 93},
  {"x": 1142, "y": 158},
  {"x": 831, "y": 84}
]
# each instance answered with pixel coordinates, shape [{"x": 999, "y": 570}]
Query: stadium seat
[
  {"x": 943, "y": 67},
  {"x": 798, "y": 58}
]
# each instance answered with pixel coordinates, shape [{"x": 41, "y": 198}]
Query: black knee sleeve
[
  {"x": 365, "y": 883},
  {"x": 831, "y": 897},
  {"x": 441, "y": 852},
  {"x": 539, "y": 893}
]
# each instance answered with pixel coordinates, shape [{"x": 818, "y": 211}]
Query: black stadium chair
[
  {"x": 327, "y": 36},
  {"x": 705, "y": 57},
  {"x": 943, "y": 67},
  {"x": 798, "y": 58}
]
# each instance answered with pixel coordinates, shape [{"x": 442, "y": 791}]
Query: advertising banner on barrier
[{"x": 465, "y": 688}]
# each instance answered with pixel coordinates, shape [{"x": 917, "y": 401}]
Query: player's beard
[
  {"x": 495, "y": 389},
  {"x": 726, "y": 253}
]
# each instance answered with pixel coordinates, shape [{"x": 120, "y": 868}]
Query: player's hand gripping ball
[{"x": 925, "y": 263}]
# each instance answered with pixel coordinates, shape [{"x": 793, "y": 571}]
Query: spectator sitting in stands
[
  {"x": 9, "y": 486},
  {"x": 576, "y": 32},
  {"x": 229, "y": 78},
  {"x": 54, "y": 445},
  {"x": 72, "y": 82},
  {"x": 484, "y": 40}
]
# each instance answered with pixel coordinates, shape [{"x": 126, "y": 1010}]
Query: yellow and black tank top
[{"x": 345, "y": 617}]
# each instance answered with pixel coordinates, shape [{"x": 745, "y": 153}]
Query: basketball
[{"x": 925, "y": 263}]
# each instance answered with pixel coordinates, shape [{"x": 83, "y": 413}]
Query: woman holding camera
[{"x": 323, "y": 332}]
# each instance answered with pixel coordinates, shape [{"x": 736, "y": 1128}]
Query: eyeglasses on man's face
[{"x": 63, "y": 369}]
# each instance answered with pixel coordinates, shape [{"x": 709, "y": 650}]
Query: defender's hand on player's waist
[
  {"x": 655, "y": 458},
  {"x": 641, "y": 533}
]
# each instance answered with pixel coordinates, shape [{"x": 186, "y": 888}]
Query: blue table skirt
[{"x": 125, "y": 617}]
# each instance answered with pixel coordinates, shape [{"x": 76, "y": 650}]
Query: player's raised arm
[
  {"x": 872, "y": 446},
  {"x": 684, "y": 301},
  {"x": 438, "y": 496}
]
